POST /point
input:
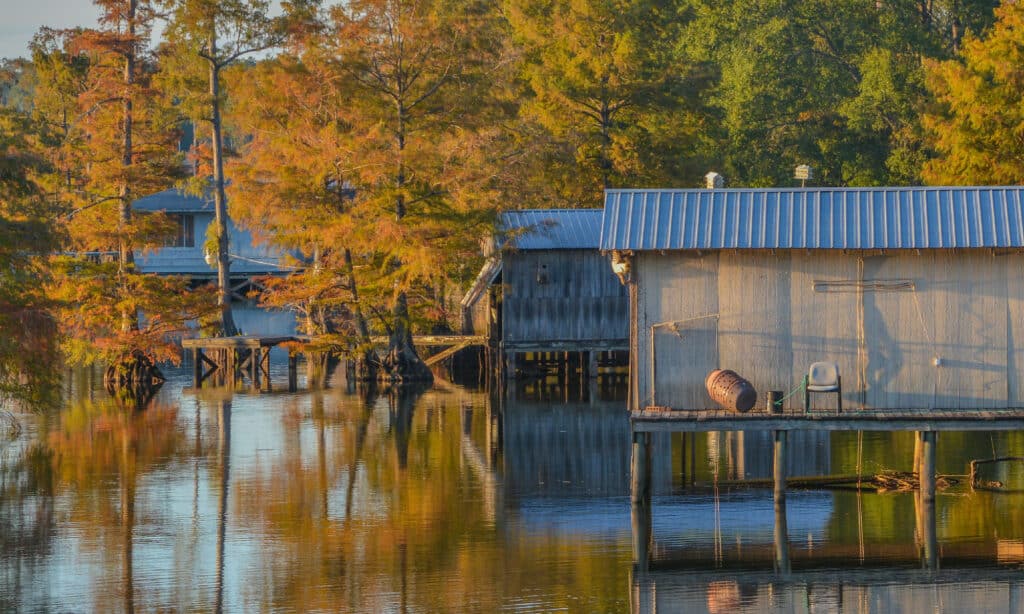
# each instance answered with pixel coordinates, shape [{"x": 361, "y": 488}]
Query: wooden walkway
[
  {"x": 244, "y": 356},
  {"x": 248, "y": 356},
  {"x": 657, "y": 419}
]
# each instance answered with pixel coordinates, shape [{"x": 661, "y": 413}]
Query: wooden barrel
[{"x": 730, "y": 390}]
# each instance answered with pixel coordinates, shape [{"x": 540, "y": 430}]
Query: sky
[{"x": 21, "y": 19}]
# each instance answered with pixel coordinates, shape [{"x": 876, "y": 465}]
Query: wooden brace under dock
[{"x": 248, "y": 356}]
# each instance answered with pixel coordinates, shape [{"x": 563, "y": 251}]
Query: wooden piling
[
  {"x": 779, "y": 464},
  {"x": 197, "y": 367},
  {"x": 927, "y": 475},
  {"x": 254, "y": 369},
  {"x": 640, "y": 487},
  {"x": 293, "y": 372}
]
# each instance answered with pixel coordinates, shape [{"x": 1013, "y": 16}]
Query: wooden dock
[
  {"x": 927, "y": 423},
  {"x": 241, "y": 356},
  {"x": 247, "y": 357},
  {"x": 660, "y": 419}
]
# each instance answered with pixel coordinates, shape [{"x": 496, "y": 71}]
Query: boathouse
[
  {"x": 546, "y": 289},
  {"x": 184, "y": 254},
  {"x": 916, "y": 294}
]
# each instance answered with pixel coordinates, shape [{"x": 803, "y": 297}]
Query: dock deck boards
[
  {"x": 655, "y": 419},
  {"x": 238, "y": 341}
]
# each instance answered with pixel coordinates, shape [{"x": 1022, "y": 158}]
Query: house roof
[
  {"x": 530, "y": 229},
  {"x": 173, "y": 201},
  {"x": 814, "y": 218}
]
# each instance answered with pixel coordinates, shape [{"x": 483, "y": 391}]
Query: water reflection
[{"x": 448, "y": 500}]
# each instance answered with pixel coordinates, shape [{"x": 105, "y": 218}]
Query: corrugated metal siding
[
  {"x": 772, "y": 318},
  {"x": 552, "y": 228},
  {"x": 834, "y": 218}
]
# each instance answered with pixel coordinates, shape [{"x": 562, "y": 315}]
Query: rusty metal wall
[
  {"x": 562, "y": 299},
  {"x": 884, "y": 319}
]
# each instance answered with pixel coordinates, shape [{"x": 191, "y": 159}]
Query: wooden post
[
  {"x": 640, "y": 487},
  {"x": 254, "y": 368},
  {"x": 693, "y": 459},
  {"x": 779, "y": 465},
  {"x": 927, "y": 477},
  {"x": 197, "y": 367},
  {"x": 917, "y": 454},
  {"x": 230, "y": 357},
  {"x": 682, "y": 458},
  {"x": 293, "y": 372},
  {"x": 265, "y": 367}
]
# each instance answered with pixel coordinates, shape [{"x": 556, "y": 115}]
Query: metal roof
[
  {"x": 814, "y": 218},
  {"x": 173, "y": 201},
  {"x": 529, "y": 229}
]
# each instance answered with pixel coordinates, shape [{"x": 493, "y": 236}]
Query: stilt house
[
  {"x": 916, "y": 294},
  {"x": 184, "y": 252},
  {"x": 547, "y": 289}
]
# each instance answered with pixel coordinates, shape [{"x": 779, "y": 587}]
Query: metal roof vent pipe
[{"x": 714, "y": 181}]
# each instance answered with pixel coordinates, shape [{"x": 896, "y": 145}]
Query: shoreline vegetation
[{"x": 378, "y": 140}]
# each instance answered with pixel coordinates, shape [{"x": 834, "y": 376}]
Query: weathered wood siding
[
  {"x": 769, "y": 316},
  {"x": 553, "y": 298},
  {"x": 247, "y": 257}
]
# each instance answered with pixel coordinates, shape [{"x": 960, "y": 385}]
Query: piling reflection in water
[{"x": 448, "y": 500}]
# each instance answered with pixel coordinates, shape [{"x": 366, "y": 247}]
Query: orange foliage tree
[
  {"x": 376, "y": 140},
  {"x": 118, "y": 141},
  {"x": 977, "y": 125}
]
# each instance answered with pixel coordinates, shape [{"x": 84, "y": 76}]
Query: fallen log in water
[{"x": 887, "y": 481}]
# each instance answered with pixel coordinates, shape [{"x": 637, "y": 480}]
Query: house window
[{"x": 185, "y": 232}]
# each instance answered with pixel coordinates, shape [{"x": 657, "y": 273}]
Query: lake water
[{"x": 448, "y": 501}]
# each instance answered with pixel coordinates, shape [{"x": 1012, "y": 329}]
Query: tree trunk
[
  {"x": 402, "y": 363},
  {"x": 219, "y": 199},
  {"x": 125, "y": 260},
  {"x": 367, "y": 364}
]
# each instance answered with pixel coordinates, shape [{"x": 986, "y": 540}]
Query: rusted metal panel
[{"x": 945, "y": 336}]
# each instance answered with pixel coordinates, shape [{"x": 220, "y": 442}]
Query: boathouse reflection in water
[{"x": 447, "y": 500}]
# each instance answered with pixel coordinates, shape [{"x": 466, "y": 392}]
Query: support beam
[
  {"x": 927, "y": 477},
  {"x": 254, "y": 369},
  {"x": 640, "y": 487},
  {"x": 293, "y": 372},
  {"x": 779, "y": 464},
  {"x": 197, "y": 367}
]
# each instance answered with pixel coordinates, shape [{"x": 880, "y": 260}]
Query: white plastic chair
[{"x": 823, "y": 377}]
